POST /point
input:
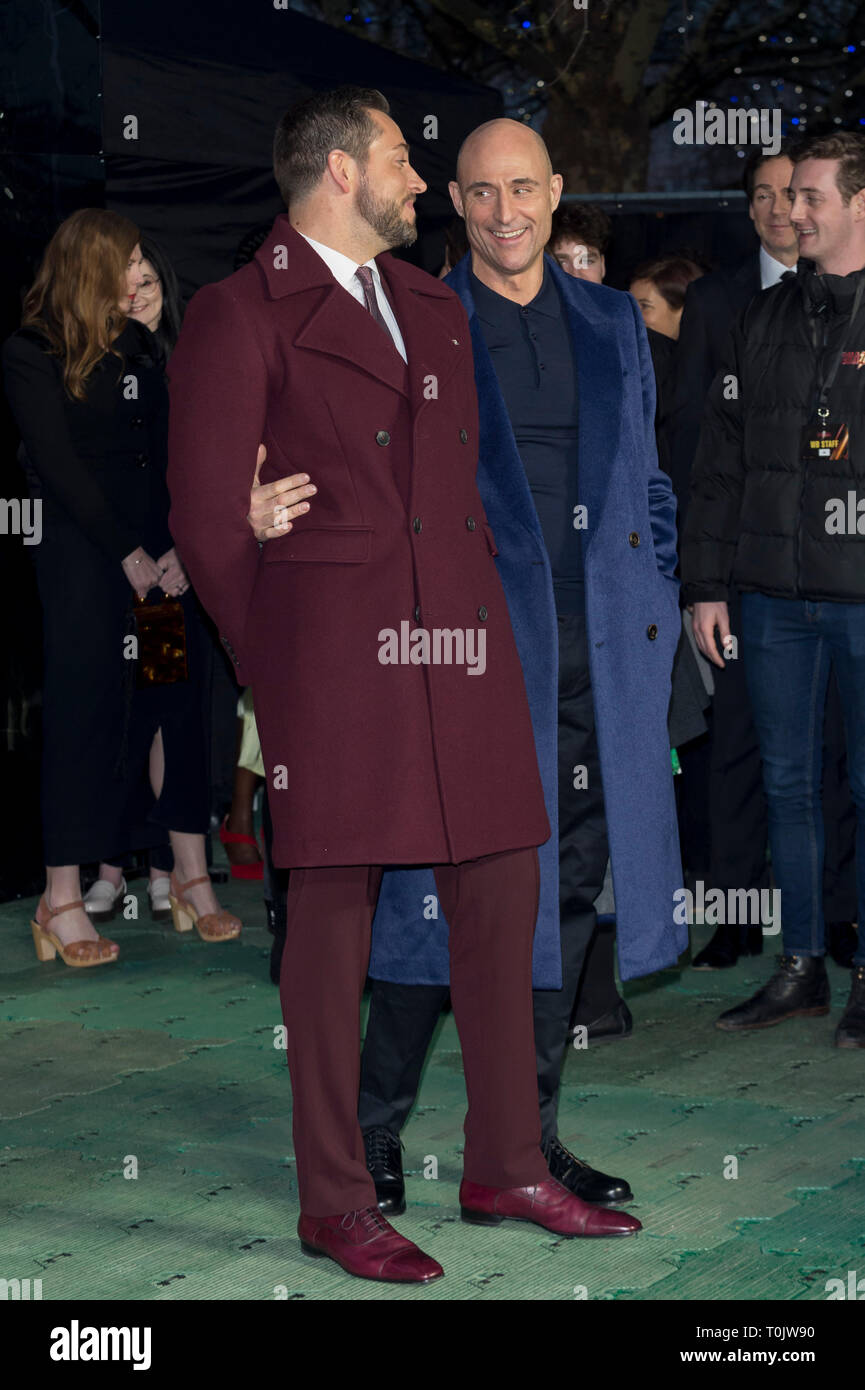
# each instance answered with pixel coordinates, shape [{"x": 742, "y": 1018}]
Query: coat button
[
  {"x": 137, "y": 421},
  {"x": 464, "y": 436},
  {"x": 471, "y": 524},
  {"x": 482, "y": 613},
  {"x": 652, "y": 631},
  {"x": 634, "y": 538},
  {"x": 141, "y": 460},
  {"x": 417, "y": 524},
  {"x": 382, "y": 437}
]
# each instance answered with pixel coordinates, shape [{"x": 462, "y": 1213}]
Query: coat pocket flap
[{"x": 334, "y": 545}]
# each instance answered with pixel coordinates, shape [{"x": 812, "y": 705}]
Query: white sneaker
[
  {"x": 157, "y": 895},
  {"x": 102, "y": 900}
]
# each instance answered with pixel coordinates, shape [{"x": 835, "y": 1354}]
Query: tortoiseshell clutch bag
[{"x": 161, "y": 643}]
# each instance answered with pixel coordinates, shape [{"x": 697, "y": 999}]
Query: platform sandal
[
  {"x": 186, "y": 916},
  {"x": 76, "y": 953}
]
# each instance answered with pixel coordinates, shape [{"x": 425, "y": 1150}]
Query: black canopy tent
[{"x": 166, "y": 112}]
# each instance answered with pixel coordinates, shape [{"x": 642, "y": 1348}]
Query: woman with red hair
[{"x": 86, "y": 386}]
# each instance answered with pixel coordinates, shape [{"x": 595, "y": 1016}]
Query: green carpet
[{"x": 146, "y": 1152}]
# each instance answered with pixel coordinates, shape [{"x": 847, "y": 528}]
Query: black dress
[{"x": 99, "y": 468}]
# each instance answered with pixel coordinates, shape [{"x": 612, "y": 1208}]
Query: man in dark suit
[
  {"x": 713, "y": 302},
  {"x": 389, "y": 698}
]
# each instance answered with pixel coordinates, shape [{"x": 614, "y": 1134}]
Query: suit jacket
[
  {"x": 712, "y": 304},
  {"x": 632, "y": 612},
  {"x": 368, "y": 762}
]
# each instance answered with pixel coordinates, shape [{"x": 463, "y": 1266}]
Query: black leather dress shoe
[
  {"x": 585, "y": 1182},
  {"x": 727, "y": 945},
  {"x": 842, "y": 938},
  {"x": 851, "y": 1030},
  {"x": 799, "y": 988},
  {"x": 618, "y": 1023},
  {"x": 384, "y": 1161}
]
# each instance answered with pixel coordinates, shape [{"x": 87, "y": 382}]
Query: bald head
[
  {"x": 491, "y": 138},
  {"x": 506, "y": 191}
]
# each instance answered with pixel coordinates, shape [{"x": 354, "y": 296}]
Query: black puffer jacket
[{"x": 758, "y": 515}]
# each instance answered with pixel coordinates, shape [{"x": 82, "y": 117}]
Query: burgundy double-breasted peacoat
[{"x": 370, "y": 758}]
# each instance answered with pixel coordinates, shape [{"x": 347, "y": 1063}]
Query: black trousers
[{"x": 402, "y": 1018}]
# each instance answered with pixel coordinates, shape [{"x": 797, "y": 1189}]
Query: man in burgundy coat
[{"x": 388, "y": 691}]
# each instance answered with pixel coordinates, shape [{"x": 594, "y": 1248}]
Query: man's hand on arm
[
  {"x": 273, "y": 506},
  {"x": 709, "y": 617}
]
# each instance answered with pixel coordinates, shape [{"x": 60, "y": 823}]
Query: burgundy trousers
[{"x": 491, "y": 906}]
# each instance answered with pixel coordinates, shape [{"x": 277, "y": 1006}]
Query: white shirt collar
[
  {"x": 342, "y": 268},
  {"x": 770, "y": 269}
]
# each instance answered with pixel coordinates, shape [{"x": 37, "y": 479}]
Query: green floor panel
[{"x": 169, "y": 1058}]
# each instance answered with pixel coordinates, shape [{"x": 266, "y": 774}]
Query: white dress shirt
[
  {"x": 771, "y": 270},
  {"x": 343, "y": 269}
]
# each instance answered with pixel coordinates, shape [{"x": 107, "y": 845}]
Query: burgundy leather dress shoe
[
  {"x": 549, "y": 1205},
  {"x": 363, "y": 1243}
]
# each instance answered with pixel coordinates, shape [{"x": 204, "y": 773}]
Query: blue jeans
[{"x": 788, "y": 646}]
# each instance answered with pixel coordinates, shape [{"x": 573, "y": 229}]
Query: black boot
[
  {"x": 584, "y": 1181},
  {"x": 851, "y": 1030},
  {"x": 727, "y": 945},
  {"x": 800, "y": 987},
  {"x": 618, "y": 1023},
  {"x": 842, "y": 939},
  {"x": 384, "y": 1161}
]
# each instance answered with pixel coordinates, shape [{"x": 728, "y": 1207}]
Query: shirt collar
[
  {"x": 771, "y": 270},
  {"x": 342, "y": 268},
  {"x": 494, "y": 308}
]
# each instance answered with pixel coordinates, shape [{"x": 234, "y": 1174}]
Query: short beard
[{"x": 386, "y": 219}]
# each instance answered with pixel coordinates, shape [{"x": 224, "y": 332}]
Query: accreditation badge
[{"x": 825, "y": 439}]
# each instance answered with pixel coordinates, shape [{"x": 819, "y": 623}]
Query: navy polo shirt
[{"x": 531, "y": 350}]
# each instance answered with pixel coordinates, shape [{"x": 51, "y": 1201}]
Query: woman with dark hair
[
  {"x": 659, "y": 288},
  {"x": 86, "y": 386},
  {"x": 156, "y": 302}
]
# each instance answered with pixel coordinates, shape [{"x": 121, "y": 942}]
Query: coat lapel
[
  {"x": 432, "y": 350},
  {"x": 335, "y": 323},
  {"x": 599, "y": 375},
  {"x": 341, "y": 327}
]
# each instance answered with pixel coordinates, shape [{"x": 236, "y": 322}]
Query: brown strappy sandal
[
  {"x": 78, "y": 953},
  {"x": 186, "y": 917}
]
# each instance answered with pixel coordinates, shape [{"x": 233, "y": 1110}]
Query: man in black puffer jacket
[{"x": 778, "y": 508}]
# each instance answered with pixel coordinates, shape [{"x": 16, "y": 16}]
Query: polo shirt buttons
[
  {"x": 464, "y": 437},
  {"x": 382, "y": 437},
  {"x": 652, "y": 631},
  {"x": 471, "y": 524},
  {"x": 417, "y": 613},
  {"x": 634, "y": 538},
  {"x": 482, "y": 613},
  {"x": 417, "y": 524}
]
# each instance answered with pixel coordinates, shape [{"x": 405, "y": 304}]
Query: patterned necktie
[{"x": 364, "y": 275}]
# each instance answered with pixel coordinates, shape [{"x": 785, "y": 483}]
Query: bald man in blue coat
[{"x": 584, "y": 523}]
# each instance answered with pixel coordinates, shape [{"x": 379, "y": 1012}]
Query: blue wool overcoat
[{"x": 633, "y": 621}]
